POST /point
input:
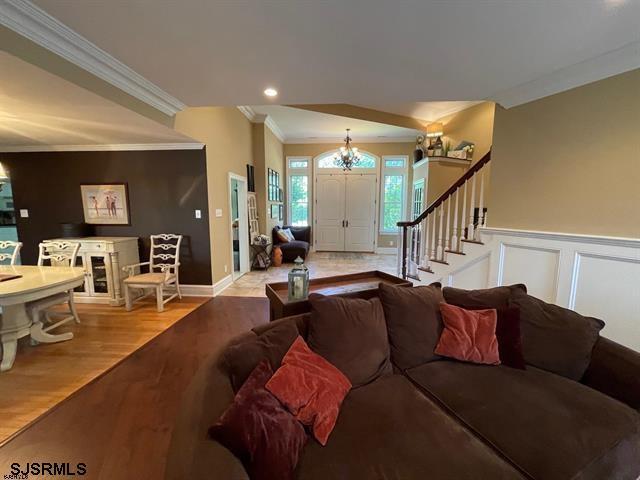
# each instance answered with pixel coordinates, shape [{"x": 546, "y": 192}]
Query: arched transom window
[{"x": 326, "y": 160}]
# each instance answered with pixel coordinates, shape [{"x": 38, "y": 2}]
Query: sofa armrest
[
  {"x": 192, "y": 454},
  {"x": 615, "y": 371}
]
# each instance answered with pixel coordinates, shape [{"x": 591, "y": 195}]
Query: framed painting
[
  {"x": 105, "y": 204},
  {"x": 274, "y": 211}
]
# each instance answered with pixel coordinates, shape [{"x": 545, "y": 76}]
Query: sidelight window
[
  {"x": 394, "y": 180},
  {"x": 298, "y": 191}
]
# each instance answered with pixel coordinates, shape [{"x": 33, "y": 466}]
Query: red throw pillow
[
  {"x": 260, "y": 431},
  {"x": 469, "y": 335},
  {"x": 311, "y": 388}
]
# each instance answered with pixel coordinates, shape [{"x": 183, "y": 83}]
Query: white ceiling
[
  {"x": 302, "y": 126},
  {"x": 363, "y": 52},
  {"x": 41, "y": 110}
]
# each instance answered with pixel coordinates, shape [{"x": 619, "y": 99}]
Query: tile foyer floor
[{"x": 321, "y": 264}]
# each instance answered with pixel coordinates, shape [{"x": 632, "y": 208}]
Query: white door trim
[{"x": 243, "y": 235}]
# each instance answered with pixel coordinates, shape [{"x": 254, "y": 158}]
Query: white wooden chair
[
  {"x": 164, "y": 263},
  {"x": 57, "y": 254},
  {"x": 12, "y": 251}
]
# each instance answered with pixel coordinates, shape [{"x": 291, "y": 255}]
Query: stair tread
[
  {"x": 457, "y": 252},
  {"x": 443, "y": 262},
  {"x": 472, "y": 241},
  {"x": 427, "y": 269}
]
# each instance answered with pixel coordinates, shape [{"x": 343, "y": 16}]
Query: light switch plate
[
  {"x": 24, "y": 213},
  {"x": 198, "y": 213},
  {"x": 218, "y": 212}
]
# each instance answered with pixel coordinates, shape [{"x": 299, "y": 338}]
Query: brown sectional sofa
[{"x": 446, "y": 420}]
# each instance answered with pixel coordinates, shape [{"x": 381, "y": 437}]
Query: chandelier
[{"x": 347, "y": 157}]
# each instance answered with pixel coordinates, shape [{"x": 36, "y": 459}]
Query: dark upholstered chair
[{"x": 296, "y": 248}]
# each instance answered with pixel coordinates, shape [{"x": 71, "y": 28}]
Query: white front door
[
  {"x": 330, "y": 214},
  {"x": 360, "y": 213}
]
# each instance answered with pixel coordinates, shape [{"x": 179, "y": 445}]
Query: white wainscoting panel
[
  {"x": 608, "y": 287},
  {"x": 471, "y": 275},
  {"x": 536, "y": 267},
  {"x": 596, "y": 276}
]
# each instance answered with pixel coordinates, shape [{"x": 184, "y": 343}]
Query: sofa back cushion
[
  {"x": 497, "y": 297},
  {"x": 414, "y": 322},
  {"x": 241, "y": 358},
  {"x": 554, "y": 338},
  {"x": 351, "y": 333}
]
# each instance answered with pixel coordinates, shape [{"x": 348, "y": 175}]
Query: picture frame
[
  {"x": 105, "y": 203},
  {"x": 274, "y": 211},
  {"x": 280, "y": 211}
]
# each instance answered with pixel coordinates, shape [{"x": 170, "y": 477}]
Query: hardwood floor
[
  {"x": 120, "y": 424},
  {"x": 46, "y": 374}
]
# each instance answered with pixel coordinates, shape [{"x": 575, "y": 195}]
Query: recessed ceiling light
[{"x": 270, "y": 92}]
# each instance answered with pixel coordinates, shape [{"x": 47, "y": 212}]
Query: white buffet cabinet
[{"x": 103, "y": 259}]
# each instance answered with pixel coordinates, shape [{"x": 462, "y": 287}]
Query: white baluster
[
  {"x": 440, "y": 250},
  {"x": 480, "y": 204},
  {"x": 447, "y": 238},
  {"x": 464, "y": 211},
  {"x": 454, "y": 239},
  {"x": 433, "y": 234},
  {"x": 416, "y": 242},
  {"x": 425, "y": 244},
  {"x": 471, "y": 233}
]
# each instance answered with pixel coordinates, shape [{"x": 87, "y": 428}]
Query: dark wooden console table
[{"x": 355, "y": 285}]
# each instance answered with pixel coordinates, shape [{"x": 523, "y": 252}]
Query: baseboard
[
  {"x": 197, "y": 290},
  {"x": 387, "y": 250},
  {"x": 221, "y": 285}
]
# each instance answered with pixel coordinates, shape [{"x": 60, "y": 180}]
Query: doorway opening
[{"x": 239, "y": 225}]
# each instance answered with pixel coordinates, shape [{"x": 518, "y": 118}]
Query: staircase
[{"x": 447, "y": 233}]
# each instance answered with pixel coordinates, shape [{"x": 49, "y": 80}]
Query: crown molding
[
  {"x": 340, "y": 140},
  {"x": 606, "y": 65},
  {"x": 262, "y": 118},
  {"x": 101, "y": 148},
  {"x": 273, "y": 126},
  {"x": 30, "y": 21},
  {"x": 247, "y": 112}
]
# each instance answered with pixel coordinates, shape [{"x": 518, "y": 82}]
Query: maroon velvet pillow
[
  {"x": 509, "y": 337},
  {"x": 260, "y": 431}
]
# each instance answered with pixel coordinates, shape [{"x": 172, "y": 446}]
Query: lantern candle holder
[{"x": 298, "y": 285}]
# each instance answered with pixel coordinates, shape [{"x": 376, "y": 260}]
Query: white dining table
[{"x": 34, "y": 283}]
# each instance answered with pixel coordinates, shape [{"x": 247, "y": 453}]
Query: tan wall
[
  {"x": 474, "y": 124},
  {"x": 441, "y": 176},
  {"x": 379, "y": 149},
  {"x": 268, "y": 153},
  {"x": 570, "y": 162},
  {"x": 228, "y": 138}
]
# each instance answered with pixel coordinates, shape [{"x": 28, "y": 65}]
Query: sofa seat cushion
[
  {"x": 295, "y": 245},
  {"x": 390, "y": 430},
  {"x": 549, "y": 426}
]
